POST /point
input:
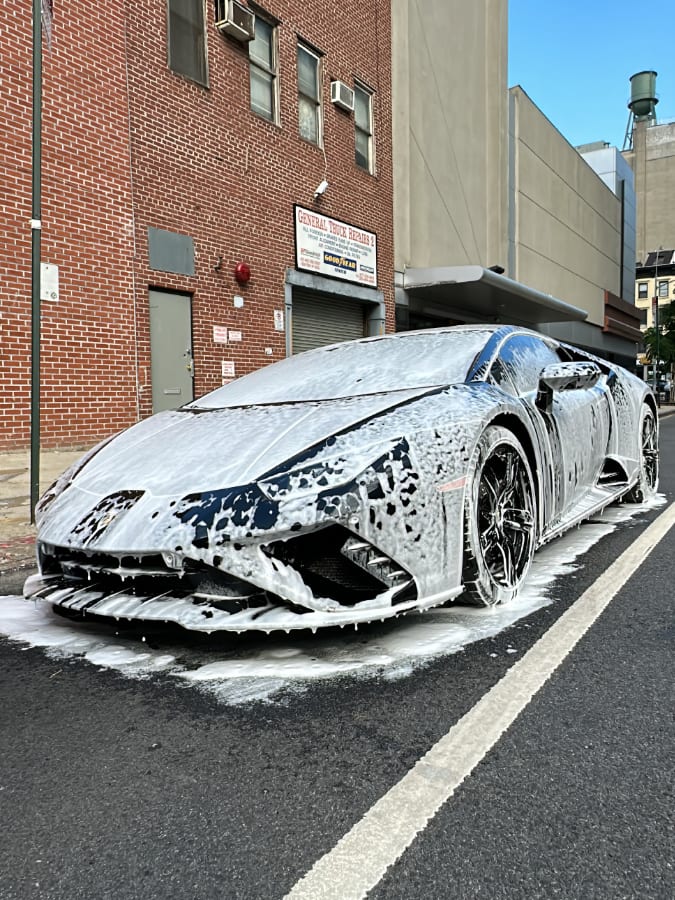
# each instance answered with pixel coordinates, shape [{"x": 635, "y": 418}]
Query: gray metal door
[
  {"x": 320, "y": 319},
  {"x": 170, "y": 349}
]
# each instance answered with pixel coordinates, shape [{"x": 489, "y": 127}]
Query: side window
[
  {"x": 186, "y": 39},
  {"x": 363, "y": 127},
  {"x": 309, "y": 95},
  {"x": 263, "y": 65},
  {"x": 519, "y": 364}
]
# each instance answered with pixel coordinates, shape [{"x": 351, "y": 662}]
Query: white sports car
[{"x": 348, "y": 484}]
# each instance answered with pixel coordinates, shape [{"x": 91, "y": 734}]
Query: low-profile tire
[
  {"x": 648, "y": 480},
  {"x": 500, "y": 518}
]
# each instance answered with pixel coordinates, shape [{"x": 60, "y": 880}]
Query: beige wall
[
  {"x": 653, "y": 161},
  {"x": 565, "y": 222},
  {"x": 450, "y": 112}
]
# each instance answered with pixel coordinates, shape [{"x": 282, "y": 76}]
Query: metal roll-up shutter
[{"x": 320, "y": 319}]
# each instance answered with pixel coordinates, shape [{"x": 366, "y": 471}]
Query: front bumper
[{"x": 328, "y": 577}]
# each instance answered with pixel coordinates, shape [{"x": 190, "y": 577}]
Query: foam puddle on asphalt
[{"x": 240, "y": 669}]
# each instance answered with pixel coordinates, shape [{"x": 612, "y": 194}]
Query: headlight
[
  {"x": 365, "y": 467},
  {"x": 314, "y": 479}
]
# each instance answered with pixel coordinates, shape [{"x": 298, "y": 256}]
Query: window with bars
[
  {"x": 186, "y": 39},
  {"x": 309, "y": 95},
  {"x": 363, "y": 127},
  {"x": 263, "y": 59}
]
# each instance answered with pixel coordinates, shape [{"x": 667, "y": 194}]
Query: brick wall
[
  {"x": 88, "y": 379},
  {"x": 203, "y": 165}
]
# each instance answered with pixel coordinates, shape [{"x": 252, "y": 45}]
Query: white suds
[{"x": 259, "y": 667}]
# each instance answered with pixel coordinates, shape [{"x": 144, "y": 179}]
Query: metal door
[
  {"x": 320, "y": 319},
  {"x": 171, "y": 349}
]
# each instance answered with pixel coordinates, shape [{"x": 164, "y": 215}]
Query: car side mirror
[{"x": 565, "y": 376}]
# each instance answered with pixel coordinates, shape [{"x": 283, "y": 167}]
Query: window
[
  {"x": 187, "y": 46},
  {"x": 663, "y": 289},
  {"x": 643, "y": 290},
  {"x": 262, "y": 52},
  {"x": 363, "y": 126},
  {"x": 518, "y": 366},
  {"x": 309, "y": 95}
]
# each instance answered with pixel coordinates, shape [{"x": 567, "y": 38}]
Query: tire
[
  {"x": 648, "y": 480},
  {"x": 500, "y": 518}
]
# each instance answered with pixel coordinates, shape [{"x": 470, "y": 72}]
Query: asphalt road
[{"x": 129, "y": 789}]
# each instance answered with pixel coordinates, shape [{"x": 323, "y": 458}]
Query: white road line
[{"x": 362, "y": 856}]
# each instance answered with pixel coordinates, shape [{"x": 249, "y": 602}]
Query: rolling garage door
[{"x": 320, "y": 319}]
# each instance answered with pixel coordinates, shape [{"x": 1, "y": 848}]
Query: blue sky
[{"x": 574, "y": 59}]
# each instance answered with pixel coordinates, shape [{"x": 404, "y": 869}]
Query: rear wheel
[
  {"x": 649, "y": 459},
  {"x": 500, "y": 519}
]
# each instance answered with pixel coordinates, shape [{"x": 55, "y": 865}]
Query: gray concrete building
[
  {"x": 496, "y": 216},
  {"x": 652, "y": 159},
  {"x": 651, "y": 155}
]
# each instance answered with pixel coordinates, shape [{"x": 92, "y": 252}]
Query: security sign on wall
[{"x": 330, "y": 247}]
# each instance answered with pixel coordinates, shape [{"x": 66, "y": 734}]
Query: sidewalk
[{"x": 17, "y": 535}]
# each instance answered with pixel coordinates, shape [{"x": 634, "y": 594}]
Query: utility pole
[
  {"x": 36, "y": 234},
  {"x": 657, "y": 323}
]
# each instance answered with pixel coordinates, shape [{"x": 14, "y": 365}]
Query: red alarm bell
[{"x": 242, "y": 272}]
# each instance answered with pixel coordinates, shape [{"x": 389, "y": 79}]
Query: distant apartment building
[
  {"x": 217, "y": 193},
  {"x": 655, "y": 284}
]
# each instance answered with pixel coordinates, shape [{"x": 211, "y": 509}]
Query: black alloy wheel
[{"x": 500, "y": 519}]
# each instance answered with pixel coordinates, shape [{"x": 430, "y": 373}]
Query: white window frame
[
  {"x": 368, "y": 132},
  {"x": 318, "y": 100},
  {"x": 270, "y": 69}
]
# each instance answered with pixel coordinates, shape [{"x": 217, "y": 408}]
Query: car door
[{"x": 575, "y": 425}]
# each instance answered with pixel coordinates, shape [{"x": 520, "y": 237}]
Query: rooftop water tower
[
  {"x": 642, "y": 103},
  {"x": 643, "y": 97}
]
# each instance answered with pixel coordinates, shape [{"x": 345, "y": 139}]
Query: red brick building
[{"x": 175, "y": 149}]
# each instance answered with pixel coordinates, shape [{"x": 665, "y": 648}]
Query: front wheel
[
  {"x": 648, "y": 479},
  {"x": 499, "y": 519}
]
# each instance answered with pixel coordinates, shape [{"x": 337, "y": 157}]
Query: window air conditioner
[
  {"x": 234, "y": 19},
  {"x": 342, "y": 95}
]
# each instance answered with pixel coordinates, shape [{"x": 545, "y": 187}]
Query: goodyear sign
[{"x": 330, "y": 247}]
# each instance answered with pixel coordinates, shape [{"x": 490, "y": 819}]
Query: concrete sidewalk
[{"x": 17, "y": 535}]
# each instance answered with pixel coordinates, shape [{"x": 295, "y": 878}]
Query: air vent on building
[
  {"x": 342, "y": 95},
  {"x": 234, "y": 19}
]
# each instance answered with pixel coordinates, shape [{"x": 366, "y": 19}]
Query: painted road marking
[{"x": 363, "y": 855}]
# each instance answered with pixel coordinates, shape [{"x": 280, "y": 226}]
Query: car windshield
[{"x": 357, "y": 368}]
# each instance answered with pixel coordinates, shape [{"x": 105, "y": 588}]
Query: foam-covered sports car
[{"x": 348, "y": 484}]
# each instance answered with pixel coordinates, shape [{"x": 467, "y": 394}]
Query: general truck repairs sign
[{"x": 329, "y": 247}]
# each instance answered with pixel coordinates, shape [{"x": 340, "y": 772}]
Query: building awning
[{"x": 472, "y": 293}]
